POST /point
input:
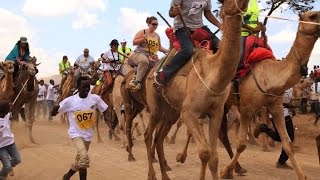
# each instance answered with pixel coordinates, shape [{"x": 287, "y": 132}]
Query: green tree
[{"x": 296, "y": 6}]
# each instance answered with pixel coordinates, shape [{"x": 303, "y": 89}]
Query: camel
[
  {"x": 26, "y": 92},
  {"x": 118, "y": 101},
  {"x": 65, "y": 88},
  {"x": 106, "y": 95},
  {"x": 301, "y": 89},
  {"x": 6, "y": 80},
  {"x": 265, "y": 76},
  {"x": 199, "y": 89}
]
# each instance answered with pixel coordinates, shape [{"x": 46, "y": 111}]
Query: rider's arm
[
  {"x": 210, "y": 17},
  {"x": 139, "y": 38},
  {"x": 175, "y": 8},
  {"x": 162, "y": 49}
]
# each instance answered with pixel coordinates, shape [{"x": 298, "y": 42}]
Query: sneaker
[
  {"x": 160, "y": 79},
  {"x": 283, "y": 166},
  {"x": 135, "y": 85}
]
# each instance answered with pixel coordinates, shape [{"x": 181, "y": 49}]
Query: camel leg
[
  {"x": 121, "y": 125},
  {"x": 148, "y": 137},
  {"x": 264, "y": 119},
  {"x": 97, "y": 126},
  {"x": 245, "y": 120},
  {"x": 173, "y": 137},
  {"x": 191, "y": 121},
  {"x": 159, "y": 145},
  {"x": 31, "y": 107},
  {"x": 215, "y": 119},
  {"x": 250, "y": 136},
  {"x": 223, "y": 136},
  {"x": 142, "y": 122},
  {"x": 279, "y": 121},
  {"x": 318, "y": 146},
  {"x": 181, "y": 157},
  {"x": 131, "y": 113}
]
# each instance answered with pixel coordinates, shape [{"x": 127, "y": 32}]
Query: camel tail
[{"x": 318, "y": 146}]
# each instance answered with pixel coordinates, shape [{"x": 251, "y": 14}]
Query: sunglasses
[{"x": 154, "y": 24}]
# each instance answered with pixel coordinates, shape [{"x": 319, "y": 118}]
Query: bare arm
[
  {"x": 138, "y": 38},
  {"x": 210, "y": 17},
  {"x": 162, "y": 49}
]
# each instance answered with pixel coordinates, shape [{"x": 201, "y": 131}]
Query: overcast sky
[{"x": 65, "y": 27}]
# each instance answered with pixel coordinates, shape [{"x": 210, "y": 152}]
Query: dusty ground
[{"x": 52, "y": 157}]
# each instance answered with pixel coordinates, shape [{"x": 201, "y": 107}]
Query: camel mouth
[{"x": 11, "y": 70}]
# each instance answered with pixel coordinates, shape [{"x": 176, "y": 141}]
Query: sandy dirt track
[{"x": 52, "y": 157}]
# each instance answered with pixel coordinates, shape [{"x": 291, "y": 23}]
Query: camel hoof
[
  {"x": 154, "y": 160},
  {"x": 225, "y": 174},
  {"x": 165, "y": 177},
  {"x": 181, "y": 157},
  {"x": 240, "y": 171},
  {"x": 253, "y": 142},
  {"x": 100, "y": 141},
  {"x": 152, "y": 177},
  {"x": 131, "y": 158}
]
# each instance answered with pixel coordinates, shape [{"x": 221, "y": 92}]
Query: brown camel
[
  {"x": 6, "y": 81},
  {"x": 65, "y": 88},
  {"x": 106, "y": 94},
  {"x": 301, "y": 89},
  {"x": 26, "y": 92},
  {"x": 199, "y": 89},
  {"x": 266, "y": 73}
]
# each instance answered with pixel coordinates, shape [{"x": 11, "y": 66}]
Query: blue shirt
[{"x": 14, "y": 54}]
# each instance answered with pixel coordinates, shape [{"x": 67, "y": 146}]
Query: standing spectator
[
  {"x": 9, "y": 154},
  {"x": 316, "y": 75},
  {"x": 123, "y": 49},
  {"x": 50, "y": 98},
  {"x": 41, "y": 101}
]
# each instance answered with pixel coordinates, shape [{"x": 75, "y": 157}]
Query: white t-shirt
[
  {"x": 6, "y": 137},
  {"x": 81, "y": 114},
  {"x": 84, "y": 62},
  {"x": 286, "y": 99},
  {"x": 50, "y": 93},
  {"x": 113, "y": 56},
  {"x": 42, "y": 92}
]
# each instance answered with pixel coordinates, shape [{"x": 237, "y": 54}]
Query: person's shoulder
[{"x": 94, "y": 96}]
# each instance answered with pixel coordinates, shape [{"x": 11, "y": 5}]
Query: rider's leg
[
  {"x": 215, "y": 40},
  {"x": 179, "y": 60},
  {"x": 143, "y": 62}
]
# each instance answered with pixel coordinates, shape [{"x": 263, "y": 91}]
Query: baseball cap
[{"x": 23, "y": 39}]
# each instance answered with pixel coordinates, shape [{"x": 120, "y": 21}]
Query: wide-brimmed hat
[
  {"x": 114, "y": 42},
  {"x": 23, "y": 39}
]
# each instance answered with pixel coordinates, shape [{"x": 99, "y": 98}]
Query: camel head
[
  {"x": 31, "y": 66},
  {"x": 232, "y": 7},
  {"x": 7, "y": 66},
  {"x": 306, "y": 82},
  {"x": 310, "y": 29},
  {"x": 71, "y": 70}
]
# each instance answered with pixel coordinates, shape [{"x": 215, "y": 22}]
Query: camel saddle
[
  {"x": 255, "y": 50},
  {"x": 200, "y": 37}
]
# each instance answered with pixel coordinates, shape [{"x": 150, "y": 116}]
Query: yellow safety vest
[
  {"x": 251, "y": 17},
  {"x": 63, "y": 66},
  {"x": 127, "y": 50}
]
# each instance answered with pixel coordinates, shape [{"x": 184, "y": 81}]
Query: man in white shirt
[
  {"x": 84, "y": 62},
  {"x": 9, "y": 155},
  {"x": 50, "y": 97},
  {"x": 274, "y": 134},
  {"x": 81, "y": 109},
  {"x": 41, "y": 100}
]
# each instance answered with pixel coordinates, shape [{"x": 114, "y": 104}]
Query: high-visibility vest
[
  {"x": 63, "y": 66},
  {"x": 127, "y": 50},
  {"x": 251, "y": 17}
]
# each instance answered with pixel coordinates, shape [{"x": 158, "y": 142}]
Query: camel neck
[
  {"x": 227, "y": 58},
  {"x": 298, "y": 56}
]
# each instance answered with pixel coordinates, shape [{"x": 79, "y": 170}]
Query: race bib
[
  {"x": 153, "y": 45},
  {"x": 84, "y": 119}
]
